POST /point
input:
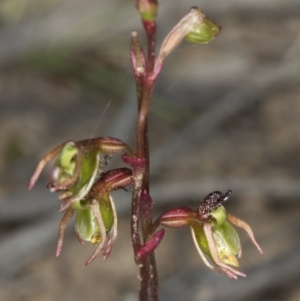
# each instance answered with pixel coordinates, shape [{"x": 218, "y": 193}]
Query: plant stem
[
  {"x": 150, "y": 69},
  {"x": 144, "y": 87},
  {"x": 141, "y": 183}
]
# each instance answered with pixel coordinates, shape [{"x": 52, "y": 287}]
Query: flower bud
[
  {"x": 147, "y": 9},
  {"x": 195, "y": 27},
  {"x": 191, "y": 20},
  {"x": 204, "y": 32}
]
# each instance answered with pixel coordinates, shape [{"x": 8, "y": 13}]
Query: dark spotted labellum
[{"x": 212, "y": 201}]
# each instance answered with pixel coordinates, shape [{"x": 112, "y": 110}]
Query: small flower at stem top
[
  {"x": 85, "y": 189},
  {"x": 195, "y": 27},
  {"x": 147, "y": 9},
  {"x": 214, "y": 237},
  {"x": 148, "y": 12},
  {"x": 205, "y": 32}
]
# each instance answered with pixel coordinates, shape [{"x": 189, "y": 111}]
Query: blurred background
[{"x": 224, "y": 116}]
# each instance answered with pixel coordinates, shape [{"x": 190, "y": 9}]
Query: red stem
[{"x": 144, "y": 87}]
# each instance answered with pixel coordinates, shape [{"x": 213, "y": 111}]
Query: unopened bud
[
  {"x": 147, "y": 9},
  {"x": 204, "y": 32},
  {"x": 188, "y": 23},
  {"x": 195, "y": 27}
]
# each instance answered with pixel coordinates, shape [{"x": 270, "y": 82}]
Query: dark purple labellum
[{"x": 212, "y": 201}]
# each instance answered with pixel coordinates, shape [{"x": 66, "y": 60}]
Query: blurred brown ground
[{"x": 224, "y": 116}]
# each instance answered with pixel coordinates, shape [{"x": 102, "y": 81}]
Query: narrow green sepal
[
  {"x": 201, "y": 239},
  {"x": 107, "y": 212}
]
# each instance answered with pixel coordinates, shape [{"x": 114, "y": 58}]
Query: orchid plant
[{"x": 85, "y": 186}]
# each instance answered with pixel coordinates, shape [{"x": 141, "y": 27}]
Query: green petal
[
  {"x": 227, "y": 242},
  {"x": 65, "y": 161},
  {"x": 86, "y": 226},
  {"x": 219, "y": 216}
]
